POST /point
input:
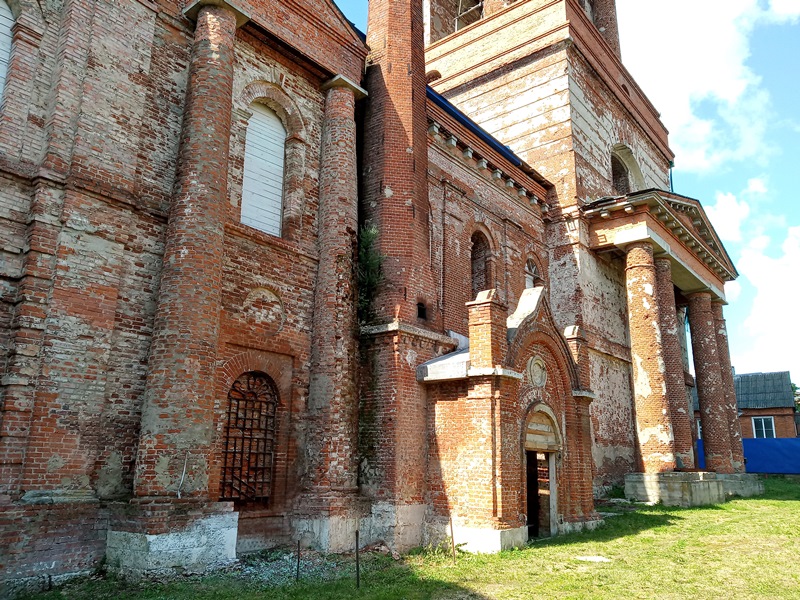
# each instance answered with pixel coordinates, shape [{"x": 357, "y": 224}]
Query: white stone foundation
[
  {"x": 489, "y": 541},
  {"x": 334, "y": 534},
  {"x": 744, "y": 485},
  {"x": 208, "y": 543},
  {"x": 675, "y": 488},
  {"x": 398, "y": 525}
]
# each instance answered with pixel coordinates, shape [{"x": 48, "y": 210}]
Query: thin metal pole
[
  {"x": 358, "y": 564},
  {"x": 452, "y": 540},
  {"x": 297, "y": 574}
]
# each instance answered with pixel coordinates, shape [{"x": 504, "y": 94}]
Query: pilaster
[{"x": 653, "y": 423}]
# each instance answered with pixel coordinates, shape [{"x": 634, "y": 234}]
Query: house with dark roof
[{"x": 766, "y": 405}]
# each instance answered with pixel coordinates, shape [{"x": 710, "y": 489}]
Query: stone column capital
[
  {"x": 698, "y": 296},
  {"x": 192, "y": 10},
  {"x": 643, "y": 244},
  {"x": 342, "y": 82}
]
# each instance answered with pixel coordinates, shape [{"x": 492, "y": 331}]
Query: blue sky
[{"x": 725, "y": 75}]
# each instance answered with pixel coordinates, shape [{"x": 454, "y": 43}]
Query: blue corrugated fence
[{"x": 778, "y": 455}]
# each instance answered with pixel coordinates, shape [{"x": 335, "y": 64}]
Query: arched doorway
[{"x": 542, "y": 444}]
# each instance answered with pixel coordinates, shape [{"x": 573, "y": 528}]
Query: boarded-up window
[
  {"x": 480, "y": 263},
  {"x": 262, "y": 185},
  {"x": 6, "y": 21},
  {"x": 247, "y": 465}
]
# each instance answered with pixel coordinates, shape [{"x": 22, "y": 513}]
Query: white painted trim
[
  {"x": 6, "y": 23},
  {"x": 753, "y": 423}
]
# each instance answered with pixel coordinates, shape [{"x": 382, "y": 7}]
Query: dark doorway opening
[{"x": 538, "y": 493}]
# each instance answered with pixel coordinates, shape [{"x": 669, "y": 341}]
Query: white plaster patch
[{"x": 642, "y": 383}]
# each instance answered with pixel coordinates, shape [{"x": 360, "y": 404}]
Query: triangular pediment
[
  {"x": 702, "y": 237},
  {"x": 677, "y": 225},
  {"x": 317, "y": 29}
]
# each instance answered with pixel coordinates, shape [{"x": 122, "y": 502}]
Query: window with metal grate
[{"x": 249, "y": 452}]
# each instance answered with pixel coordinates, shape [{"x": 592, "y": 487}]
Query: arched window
[
  {"x": 532, "y": 277},
  {"x": 248, "y": 455},
  {"x": 481, "y": 252},
  {"x": 620, "y": 180},
  {"x": 262, "y": 184},
  {"x": 6, "y": 22}
]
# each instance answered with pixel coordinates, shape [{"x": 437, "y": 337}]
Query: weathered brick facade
[{"x": 179, "y": 386}]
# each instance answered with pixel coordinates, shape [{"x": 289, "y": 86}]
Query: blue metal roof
[{"x": 459, "y": 116}]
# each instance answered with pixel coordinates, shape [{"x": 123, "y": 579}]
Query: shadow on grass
[
  {"x": 618, "y": 526},
  {"x": 388, "y": 580}
]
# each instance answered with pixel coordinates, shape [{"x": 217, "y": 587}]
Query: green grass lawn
[{"x": 742, "y": 549}]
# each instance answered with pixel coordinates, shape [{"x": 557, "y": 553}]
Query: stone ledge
[
  {"x": 675, "y": 488},
  {"x": 744, "y": 485}
]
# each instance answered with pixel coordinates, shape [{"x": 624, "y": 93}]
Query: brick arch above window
[{"x": 278, "y": 100}]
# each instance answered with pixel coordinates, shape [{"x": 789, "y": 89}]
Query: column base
[
  {"x": 156, "y": 538},
  {"x": 675, "y": 488},
  {"x": 744, "y": 485}
]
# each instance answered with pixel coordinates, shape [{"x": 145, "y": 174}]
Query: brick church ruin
[{"x": 194, "y": 199}]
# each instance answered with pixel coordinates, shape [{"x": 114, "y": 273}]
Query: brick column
[
  {"x": 605, "y": 19},
  {"x": 178, "y": 413},
  {"x": 332, "y": 394},
  {"x": 734, "y": 426},
  {"x": 679, "y": 411},
  {"x": 653, "y": 425},
  {"x": 710, "y": 388}
]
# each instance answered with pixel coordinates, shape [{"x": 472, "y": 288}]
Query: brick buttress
[
  {"x": 710, "y": 386},
  {"x": 673, "y": 361},
  {"x": 653, "y": 424}
]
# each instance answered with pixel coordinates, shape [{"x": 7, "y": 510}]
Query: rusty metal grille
[{"x": 250, "y": 439}]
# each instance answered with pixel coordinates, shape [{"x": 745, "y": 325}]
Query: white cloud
[
  {"x": 713, "y": 104},
  {"x": 783, "y": 10},
  {"x": 769, "y": 332},
  {"x": 733, "y": 289},
  {"x": 756, "y": 185},
  {"x": 727, "y": 216}
]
